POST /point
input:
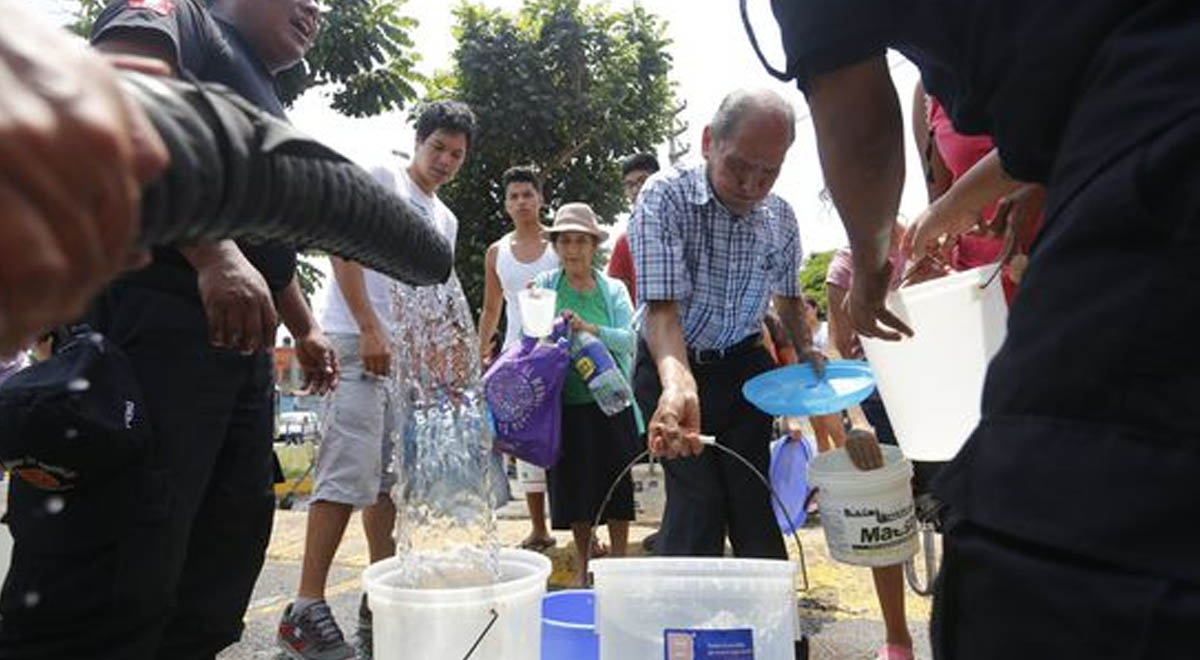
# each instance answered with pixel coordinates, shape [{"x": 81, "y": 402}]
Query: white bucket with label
[
  {"x": 932, "y": 382},
  {"x": 687, "y": 608},
  {"x": 504, "y": 618},
  {"x": 867, "y": 515}
]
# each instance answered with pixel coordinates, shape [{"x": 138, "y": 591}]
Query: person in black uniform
[
  {"x": 163, "y": 564},
  {"x": 1072, "y": 506}
]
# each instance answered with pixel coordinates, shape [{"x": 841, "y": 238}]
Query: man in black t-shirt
[
  {"x": 162, "y": 562},
  {"x": 1070, "y": 508}
]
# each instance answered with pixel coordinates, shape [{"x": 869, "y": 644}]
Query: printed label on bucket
[
  {"x": 732, "y": 644},
  {"x": 884, "y": 531}
]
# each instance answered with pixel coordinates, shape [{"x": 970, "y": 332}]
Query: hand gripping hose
[{"x": 237, "y": 172}]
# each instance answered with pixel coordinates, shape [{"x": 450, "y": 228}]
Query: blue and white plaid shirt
[{"x": 721, "y": 269}]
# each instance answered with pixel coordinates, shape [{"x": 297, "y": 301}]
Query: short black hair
[
  {"x": 448, "y": 116},
  {"x": 639, "y": 163},
  {"x": 522, "y": 174}
]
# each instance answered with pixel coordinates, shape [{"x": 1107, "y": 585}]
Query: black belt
[{"x": 713, "y": 355}]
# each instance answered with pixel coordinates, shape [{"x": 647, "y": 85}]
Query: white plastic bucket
[
  {"x": 867, "y": 515},
  {"x": 537, "y": 311},
  {"x": 932, "y": 383},
  {"x": 445, "y": 623},
  {"x": 674, "y": 607}
]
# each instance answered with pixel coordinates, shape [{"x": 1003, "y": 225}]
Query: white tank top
[{"x": 515, "y": 275}]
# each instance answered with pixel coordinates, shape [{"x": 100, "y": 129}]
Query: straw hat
[{"x": 580, "y": 217}]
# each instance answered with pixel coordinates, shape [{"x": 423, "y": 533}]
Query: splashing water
[{"x": 444, "y": 504}]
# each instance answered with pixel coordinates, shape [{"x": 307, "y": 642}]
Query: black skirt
[{"x": 595, "y": 448}]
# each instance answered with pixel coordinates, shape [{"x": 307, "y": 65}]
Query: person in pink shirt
[{"x": 963, "y": 173}]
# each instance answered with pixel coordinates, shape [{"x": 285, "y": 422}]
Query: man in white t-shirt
[
  {"x": 354, "y": 467},
  {"x": 509, "y": 265}
]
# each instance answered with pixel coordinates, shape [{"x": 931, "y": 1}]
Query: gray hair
[{"x": 737, "y": 104}]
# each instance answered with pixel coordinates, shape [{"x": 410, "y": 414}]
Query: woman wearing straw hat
[{"x": 595, "y": 447}]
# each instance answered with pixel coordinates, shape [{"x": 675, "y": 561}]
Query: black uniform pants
[
  {"x": 714, "y": 494},
  {"x": 160, "y": 560}
]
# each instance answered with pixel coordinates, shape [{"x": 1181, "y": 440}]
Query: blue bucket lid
[{"x": 796, "y": 390}]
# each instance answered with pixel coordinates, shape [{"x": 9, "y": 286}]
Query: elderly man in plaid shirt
[{"x": 711, "y": 247}]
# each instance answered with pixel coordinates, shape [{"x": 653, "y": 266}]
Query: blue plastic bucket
[{"x": 568, "y": 629}]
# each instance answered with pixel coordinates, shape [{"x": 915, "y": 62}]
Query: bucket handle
[
  {"x": 711, "y": 441},
  {"x": 482, "y": 634}
]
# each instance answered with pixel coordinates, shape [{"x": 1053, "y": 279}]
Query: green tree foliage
[
  {"x": 812, "y": 278},
  {"x": 363, "y": 55},
  {"x": 568, "y": 88}
]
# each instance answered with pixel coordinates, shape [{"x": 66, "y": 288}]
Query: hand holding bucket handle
[{"x": 675, "y": 427}]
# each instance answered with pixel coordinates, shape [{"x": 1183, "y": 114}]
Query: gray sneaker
[
  {"x": 365, "y": 638},
  {"x": 312, "y": 634}
]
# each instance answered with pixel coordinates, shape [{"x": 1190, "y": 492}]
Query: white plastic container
[
  {"x": 445, "y": 623},
  {"x": 537, "y": 311},
  {"x": 670, "y": 607},
  {"x": 932, "y": 383},
  {"x": 867, "y": 515}
]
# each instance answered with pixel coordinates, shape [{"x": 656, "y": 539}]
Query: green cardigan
[{"x": 619, "y": 338}]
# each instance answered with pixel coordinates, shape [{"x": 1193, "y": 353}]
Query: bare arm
[
  {"x": 313, "y": 350},
  {"x": 675, "y": 427},
  {"x": 845, "y": 345},
  {"x": 937, "y": 175},
  {"x": 841, "y": 334},
  {"x": 791, "y": 313},
  {"x": 961, "y": 208},
  {"x": 860, "y": 131},
  {"x": 374, "y": 346},
  {"x": 493, "y": 301}
]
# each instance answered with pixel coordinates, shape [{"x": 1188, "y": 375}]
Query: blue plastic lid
[{"x": 795, "y": 389}]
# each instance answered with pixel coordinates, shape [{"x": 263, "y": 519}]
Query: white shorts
[{"x": 530, "y": 478}]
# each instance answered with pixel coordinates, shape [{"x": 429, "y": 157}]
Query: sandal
[
  {"x": 598, "y": 549},
  {"x": 894, "y": 652},
  {"x": 537, "y": 544}
]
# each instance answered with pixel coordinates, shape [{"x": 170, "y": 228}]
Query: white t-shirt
[{"x": 337, "y": 317}]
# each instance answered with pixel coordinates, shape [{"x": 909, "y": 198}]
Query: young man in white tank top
[{"x": 510, "y": 264}]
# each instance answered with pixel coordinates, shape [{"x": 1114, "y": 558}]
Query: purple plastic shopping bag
[
  {"x": 789, "y": 480},
  {"x": 523, "y": 390}
]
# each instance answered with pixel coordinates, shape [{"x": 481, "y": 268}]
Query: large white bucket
[
  {"x": 445, "y": 623},
  {"x": 681, "y": 607},
  {"x": 867, "y": 515},
  {"x": 932, "y": 383}
]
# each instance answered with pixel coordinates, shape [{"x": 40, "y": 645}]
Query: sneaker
[
  {"x": 312, "y": 634},
  {"x": 365, "y": 640}
]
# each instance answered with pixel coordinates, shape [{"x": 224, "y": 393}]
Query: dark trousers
[
  {"x": 160, "y": 560},
  {"x": 714, "y": 494},
  {"x": 1001, "y": 598}
]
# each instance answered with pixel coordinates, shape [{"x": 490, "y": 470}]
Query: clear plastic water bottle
[{"x": 604, "y": 379}]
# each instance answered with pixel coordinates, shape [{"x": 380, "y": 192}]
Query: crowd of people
[{"x": 1065, "y": 513}]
